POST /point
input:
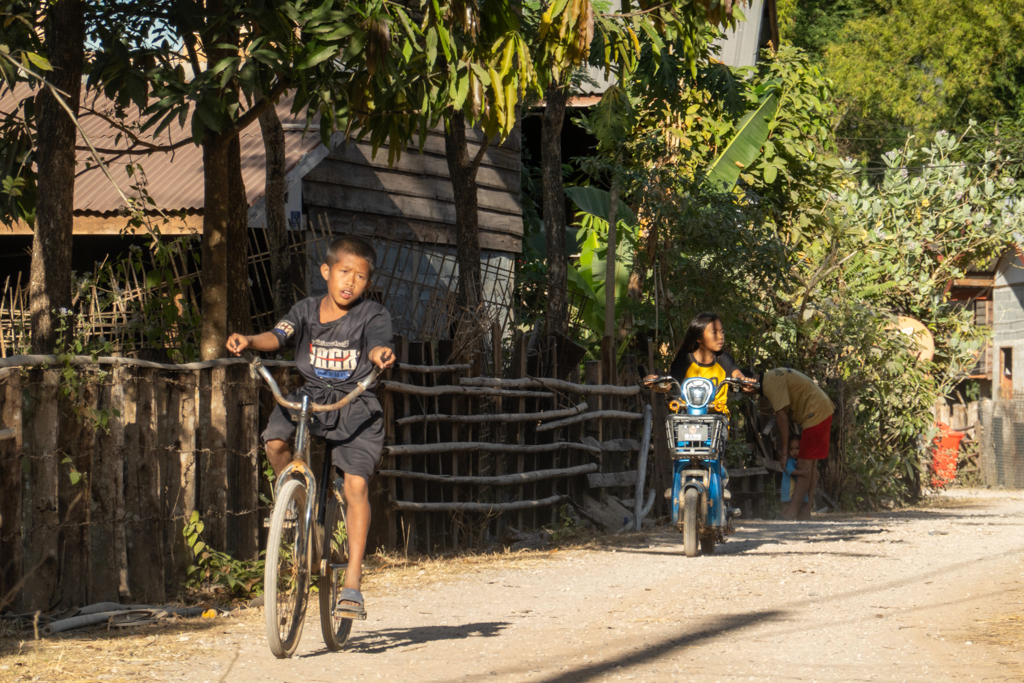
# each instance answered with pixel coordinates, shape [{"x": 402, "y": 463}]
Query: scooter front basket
[{"x": 697, "y": 436}]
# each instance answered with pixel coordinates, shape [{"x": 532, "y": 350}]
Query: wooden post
[
  {"x": 12, "y": 479},
  {"x": 408, "y": 518},
  {"x": 388, "y": 407},
  {"x": 243, "y": 463},
  {"x": 415, "y": 356},
  {"x": 75, "y": 450},
  {"x": 456, "y": 406},
  {"x": 519, "y": 370},
  {"x": 213, "y": 473},
  {"x": 144, "y": 527},
  {"x": 661, "y": 472},
  {"x": 608, "y": 361},
  {"x": 178, "y": 443},
  {"x": 39, "y": 512},
  {"x": 498, "y": 429}
]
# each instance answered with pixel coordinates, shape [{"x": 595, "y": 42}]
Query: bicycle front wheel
[
  {"x": 333, "y": 563},
  {"x": 286, "y": 574}
]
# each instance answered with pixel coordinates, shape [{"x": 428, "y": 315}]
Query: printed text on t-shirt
[{"x": 331, "y": 362}]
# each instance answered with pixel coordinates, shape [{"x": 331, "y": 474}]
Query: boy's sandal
[{"x": 357, "y": 611}]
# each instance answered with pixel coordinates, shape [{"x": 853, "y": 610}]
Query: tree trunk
[
  {"x": 224, "y": 275},
  {"x": 635, "y": 289},
  {"x": 608, "y": 345},
  {"x": 277, "y": 220},
  {"x": 462, "y": 170},
  {"x": 239, "y": 316},
  {"x": 50, "y": 283},
  {"x": 217, "y": 215},
  {"x": 609, "y": 272},
  {"x": 554, "y": 208}
]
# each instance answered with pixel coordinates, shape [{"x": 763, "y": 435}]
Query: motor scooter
[{"x": 697, "y": 439}]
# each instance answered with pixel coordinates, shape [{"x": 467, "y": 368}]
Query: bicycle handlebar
[{"x": 255, "y": 366}]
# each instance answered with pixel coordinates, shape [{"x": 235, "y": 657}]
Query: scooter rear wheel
[{"x": 691, "y": 504}]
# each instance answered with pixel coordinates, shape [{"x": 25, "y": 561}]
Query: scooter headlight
[{"x": 698, "y": 391}]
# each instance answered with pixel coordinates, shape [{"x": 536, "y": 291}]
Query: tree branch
[
  {"x": 193, "y": 58},
  {"x": 478, "y": 159},
  {"x": 638, "y": 13},
  {"x": 146, "y": 149},
  {"x": 136, "y": 140},
  {"x": 258, "y": 108}
]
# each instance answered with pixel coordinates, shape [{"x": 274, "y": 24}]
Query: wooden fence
[
  {"x": 95, "y": 486},
  {"x": 472, "y": 456},
  {"x": 100, "y": 466}
]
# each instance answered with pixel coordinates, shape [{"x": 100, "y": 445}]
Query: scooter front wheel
[{"x": 691, "y": 504}]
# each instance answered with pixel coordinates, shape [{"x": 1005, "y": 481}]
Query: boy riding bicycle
[{"x": 338, "y": 338}]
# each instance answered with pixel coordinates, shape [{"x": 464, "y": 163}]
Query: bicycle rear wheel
[
  {"x": 286, "y": 574},
  {"x": 333, "y": 562}
]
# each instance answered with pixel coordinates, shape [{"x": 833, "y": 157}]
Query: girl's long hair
[{"x": 695, "y": 332}]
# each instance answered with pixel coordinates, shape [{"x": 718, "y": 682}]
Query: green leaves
[
  {"x": 213, "y": 567},
  {"x": 612, "y": 119},
  {"x": 587, "y": 281},
  {"x": 40, "y": 63},
  {"x": 745, "y": 146},
  {"x": 595, "y": 201}
]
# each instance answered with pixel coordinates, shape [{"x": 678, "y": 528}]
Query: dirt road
[{"x": 929, "y": 594}]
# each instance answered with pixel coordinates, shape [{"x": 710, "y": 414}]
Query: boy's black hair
[
  {"x": 352, "y": 244},
  {"x": 695, "y": 332}
]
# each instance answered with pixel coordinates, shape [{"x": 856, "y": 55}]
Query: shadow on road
[
  {"x": 377, "y": 642},
  {"x": 754, "y": 534},
  {"x": 711, "y": 629}
]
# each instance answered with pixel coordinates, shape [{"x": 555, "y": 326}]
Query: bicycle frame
[
  {"x": 311, "y": 552},
  {"x": 316, "y": 500},
  {"x": 299, "y": 468}
]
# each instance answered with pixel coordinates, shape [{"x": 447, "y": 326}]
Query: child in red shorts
[{"x": 795, "y": 396}]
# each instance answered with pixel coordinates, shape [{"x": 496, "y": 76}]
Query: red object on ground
[{"x": 945, "y": 455}]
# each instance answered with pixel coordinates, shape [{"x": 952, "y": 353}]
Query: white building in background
[{"x": 1008, "y": 325}]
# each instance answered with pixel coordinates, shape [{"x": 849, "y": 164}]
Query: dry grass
[
  {"x": 142, "y": 652},
  {"x": 1005, "y": 632},
  {"x": 99, "y": 655}
]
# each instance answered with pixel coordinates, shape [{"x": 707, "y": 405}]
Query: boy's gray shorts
[{"x": 357, "y": 453}]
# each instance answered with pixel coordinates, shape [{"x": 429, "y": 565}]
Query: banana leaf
[
  {"x": 596, "y": 202},
  {"x": 745, "y": 147}
]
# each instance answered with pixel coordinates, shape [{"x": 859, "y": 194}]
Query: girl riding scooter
[{"x": 701, "y": 355}]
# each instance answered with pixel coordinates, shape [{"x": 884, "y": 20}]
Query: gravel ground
[{"x": 932, "y": 593}]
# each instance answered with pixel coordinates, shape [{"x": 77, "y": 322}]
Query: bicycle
[{"x": 299, "y": 526}]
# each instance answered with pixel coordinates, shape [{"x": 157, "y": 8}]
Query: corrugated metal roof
[{"x": 174, "y": 179}]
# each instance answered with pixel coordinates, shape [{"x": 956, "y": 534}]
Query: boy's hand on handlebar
[
  {"x": 382, "y": 357},
  {"x": 237, "y": 343}
]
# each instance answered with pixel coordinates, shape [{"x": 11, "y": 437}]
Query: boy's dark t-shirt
[{"x": 334, "y": 357}]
